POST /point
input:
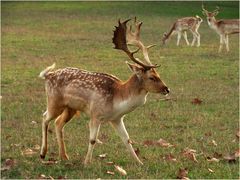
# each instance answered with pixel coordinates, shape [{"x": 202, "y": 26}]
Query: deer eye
[{"x": 152, "y": 79}]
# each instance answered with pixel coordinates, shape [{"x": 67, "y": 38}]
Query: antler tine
[
  {"x": 217, "y": 9},
  {"x": 120, "y": 41},
  {"x": 204, "y": 8},
  {"x": 150, "y": 46}
]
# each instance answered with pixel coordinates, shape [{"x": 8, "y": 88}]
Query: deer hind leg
[
  {"x": 60, "y": 122},
  {"x": 122, "y": 132},
  {"x": 179, "y": 35},
  {"x": 47, "y": 117},
  {"x": 94, "y": 126},
  {"x": 185, "y": 37}
]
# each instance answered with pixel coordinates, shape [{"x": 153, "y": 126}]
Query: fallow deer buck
[
  {"x": 104, "y": 97},
  {"x": 181, "y": 26},
  {"x": 222, "y": 27}
]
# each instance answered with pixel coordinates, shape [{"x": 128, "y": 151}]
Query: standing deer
[
  {"x": 181, "y": 26},
  {"x": 222, "y": 27},
  {"x": 104, "y": 97}
]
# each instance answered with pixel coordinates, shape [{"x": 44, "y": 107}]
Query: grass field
[{"x": 78, "y": 34}]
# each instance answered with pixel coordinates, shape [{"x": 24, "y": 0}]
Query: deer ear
[{"x": 135, "y": 69}]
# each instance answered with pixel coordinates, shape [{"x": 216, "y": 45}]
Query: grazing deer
[
  {"x": 181, "y": 26},
  {"x": 222, "y": 27},
  {"x": 104, "y": 97}
]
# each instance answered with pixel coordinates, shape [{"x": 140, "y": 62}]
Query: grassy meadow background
[{"x": 79, "y": 34}]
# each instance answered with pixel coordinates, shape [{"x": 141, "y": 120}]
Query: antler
[
  {"x": 216, "y": 10},
  {"x": 123, "y": 36},
  {"x": 204, "y": 10},
  {"x": 133, "y": 38}
]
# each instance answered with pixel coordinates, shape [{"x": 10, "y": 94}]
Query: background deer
[
  {"x": 181, "y": 26},
  {"x": 104, "y": 97},
  {"x": 222, "y": 27}
]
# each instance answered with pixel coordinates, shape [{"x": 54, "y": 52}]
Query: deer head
[
  {"x": 146, "y": 73},
  {"x": 210, "y": 14}
]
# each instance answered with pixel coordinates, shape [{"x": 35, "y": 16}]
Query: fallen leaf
[
  {"x": 110, "y": 163},
  {"x": 209, "y": 159},
  {"x": 36, "y": 147},
  {"x": 110, "y": 172},
  {"x": 170, "y": 157},
  {"x": 217, "y": 155},
  {"x": 43, "y": 176},
  {"x": 149, "y": 143},
  {"x": 62, "y": 177},
  {"x": 164, "y": 143},
  {"x": 49, "y": 162},
  {"x": 8, "y": 164},
  {"x": 214, "y": 143},
  {"x": 28, "y": 152},
  {"x": 196, "y": 101},
  {"x": 208, "y": 134},
  {"x": 102, "y": 156},
  {"x": 120, "y": 170},
  {"x": 190, "y": 154},
  {"x": 210, "y": 170},
  {"x": 231, "y": 158},
  {"x": 137, "y": 151},
  {"x": 33, "y": 122},
  {"x": 237, "y": 153},
  {"x": 182, "y": 173}
]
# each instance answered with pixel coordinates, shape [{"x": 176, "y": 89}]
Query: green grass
[{"x": 78, "y": 34}]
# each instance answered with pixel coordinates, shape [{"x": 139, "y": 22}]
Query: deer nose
[{"x": 167, "y": 90}]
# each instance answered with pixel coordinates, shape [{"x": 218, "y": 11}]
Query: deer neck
[
  {"x": 129, "y": 95},
  {"x": 213, "y": 24}
]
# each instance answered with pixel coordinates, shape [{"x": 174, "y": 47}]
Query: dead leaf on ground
[
  {"x": 28, "y": 152},
  {"x": 110, "y": 163},
  {"x": 213, "y": 142},
  {"x": 210, "y": 170},
  {"x": 213, "y": 159},
  {"x": 120, "y": 170},
  {"x": 8, "y": 164},
  {"x": 43, "y": 176},
  {"x": 196, "y": 101},
  {"x": 102, "y": 156},
  {"x": 217, "y": 155},
  {"x": 137, "y": 151},
  {"x": 49, "y": 162},
  {"x": 190, "y": 154},
  {"x": 62, "y": 177},
  {"x": 33, "y": 122},
  {"x": 232, "y": 158},
  {"x": 170, "y": 157},
  {"x": 161, "y": 142},
  {"x": 182, "y": 173},
  {"x": 208, "y": 134},
  {"x": 36, "y": 147},
  {"x": 110, "y": 172}
]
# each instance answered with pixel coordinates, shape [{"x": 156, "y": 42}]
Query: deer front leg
[
  {"x": 179, "y": 35},
  {"x": 122, "y": 132},
  {"x": 198, "y": 38},
  {"x": 227, "y": 43},
  {"x": 45, "y": 123},
  {"x": 59, "y": 125},
  {"x": 222, "y": 40},
  {"x": 94, "y": 126}
]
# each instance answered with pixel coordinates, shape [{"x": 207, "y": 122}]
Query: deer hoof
[{"x": 42, "y": 156}]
